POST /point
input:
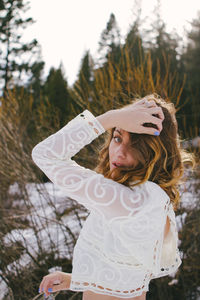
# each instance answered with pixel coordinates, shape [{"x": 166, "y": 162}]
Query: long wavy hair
[{"x": 160, "y": 158}]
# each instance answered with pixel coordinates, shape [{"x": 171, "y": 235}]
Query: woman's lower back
[{"x": 88, "y": 295}]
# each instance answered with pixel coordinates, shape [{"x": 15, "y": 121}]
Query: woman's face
[{"x": 121, "y": 153}]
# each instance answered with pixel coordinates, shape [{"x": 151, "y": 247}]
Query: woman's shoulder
[
  {"x": 153, "y": 191},
  {"x": 155, "y": 187}
]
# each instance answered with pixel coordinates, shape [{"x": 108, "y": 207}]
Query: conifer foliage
[
  {"x": 13, "y": 64},
  {"x": 191, "y": 62}
]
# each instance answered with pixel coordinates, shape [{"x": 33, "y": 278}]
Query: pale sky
[{"x": 66, "y": 29}]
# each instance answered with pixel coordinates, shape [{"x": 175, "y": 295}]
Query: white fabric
[{"x": 121, "y": 246}]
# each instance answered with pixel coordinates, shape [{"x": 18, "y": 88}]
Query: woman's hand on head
[
  {"x": 56, "y": 281},
  {"x": 132, "y": 117}
]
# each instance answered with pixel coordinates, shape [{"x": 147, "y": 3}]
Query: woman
[{"x": 130, "y": 236}]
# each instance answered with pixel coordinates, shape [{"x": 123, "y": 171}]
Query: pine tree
[
  {"x": 133, "y": 41},
  {"x": 162, "y": 45},
  {"x": 56, "y": 90},
  {"x": 85, "y": 73},
  {"x": 191, "y": 61},
  {"x": 109, "y": 44},
  {"x": 82, "y": 87},
  {"x": 35, "y": 84},
  {"x": 134, "y": 45},
  {"x": 132, "y": 54},
  {"x": 13, "y": 65}
]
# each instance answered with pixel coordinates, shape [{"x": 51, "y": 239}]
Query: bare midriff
[{"x": 88, "y": 295}]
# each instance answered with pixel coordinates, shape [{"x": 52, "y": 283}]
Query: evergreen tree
[
  {"x": 132, "y": 54},
  {"x": 85, "y": 73},
  {"x": 191, "y": 61},
  {"x": 56, "y": 90},
  {"x": 133, "y": 41},
  {"x": 83, "y": 86},
  {"x": 13, "y": 65},
  {"x": 35, "y": 81},
  {"x": 109, "y": 44},
  {"x": 162, "y": 45}
]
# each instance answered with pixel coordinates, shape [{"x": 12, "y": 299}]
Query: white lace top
[{"x": 121, "y": 246}]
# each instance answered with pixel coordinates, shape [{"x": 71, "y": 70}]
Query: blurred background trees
[
  {"x": 17, "y": 57},
  {"x": 191, "y": 67},
  {"x": 34, "y": 106}
]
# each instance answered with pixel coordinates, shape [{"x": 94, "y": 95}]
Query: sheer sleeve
[{"x": 94, "y": 191}]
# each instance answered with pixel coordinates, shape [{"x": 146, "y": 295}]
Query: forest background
[{"x": 33, "y": 107}]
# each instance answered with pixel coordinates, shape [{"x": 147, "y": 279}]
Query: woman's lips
[{"x": 117, "y": 165}]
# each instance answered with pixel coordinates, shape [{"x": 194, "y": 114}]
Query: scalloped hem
[{"x": 78, "y": 287}]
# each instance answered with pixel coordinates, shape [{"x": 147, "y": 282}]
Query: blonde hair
[{"x": 161, "y": 158}]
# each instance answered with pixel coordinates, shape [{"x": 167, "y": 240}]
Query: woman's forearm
[{"x": 109, "y": 119}]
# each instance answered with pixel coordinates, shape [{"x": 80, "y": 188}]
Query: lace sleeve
[{"x": 93, "y": 190}]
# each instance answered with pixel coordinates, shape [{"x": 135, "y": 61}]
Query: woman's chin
[
  {"x": 112, "y": 175},
  {"x": 114, "y": 172}
]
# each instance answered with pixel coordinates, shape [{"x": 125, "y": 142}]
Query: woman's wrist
[
  {"x": 68, "y": 280},
  {"x": 109, "y": 119}
]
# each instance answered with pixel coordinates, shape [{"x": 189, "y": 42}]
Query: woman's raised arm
[{"x": 94, "y": 191}]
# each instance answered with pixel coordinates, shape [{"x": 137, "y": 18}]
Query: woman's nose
[{"x": 121, "y": 151}]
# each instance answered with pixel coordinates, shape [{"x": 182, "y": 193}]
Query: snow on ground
[
  {"x": 45, "y": 201},
  {"x": 190, "y": 195}
]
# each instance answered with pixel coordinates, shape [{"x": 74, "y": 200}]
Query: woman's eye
[{"x": 117, "y": 139}]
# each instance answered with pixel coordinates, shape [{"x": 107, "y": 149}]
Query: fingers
[
  {"x": 157, "y": 122},
  {"x": 153, "y": 112},
  {"x": 157, "y": 111},
  {"x": 154, "y": 119},
  {"x": 48, "y": 286},
  {"x": 152, "y": 107},
  {"x": 45, "y": 285},
  {"x": 151, "y": 103},
  {"x": 41, "y": 288},
  {"x": 48, "y": 282},
  {"x": 150, "y": 130},
  {"x": 51, "y": 288},
  {"x": 59, "y": 287},
  {"x": 147, "y": 103},
  {"x": 53, "y": 282}
]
